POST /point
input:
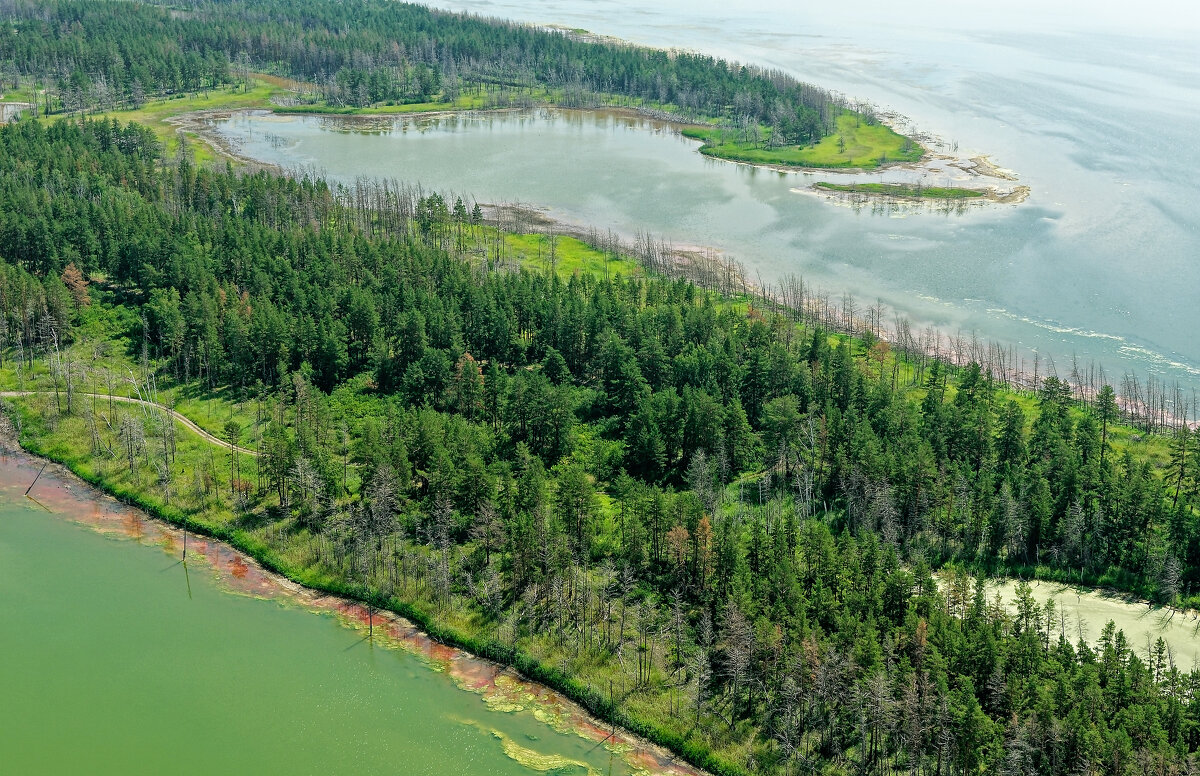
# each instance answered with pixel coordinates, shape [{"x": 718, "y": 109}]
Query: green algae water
[{"x": 115, "y": 657}]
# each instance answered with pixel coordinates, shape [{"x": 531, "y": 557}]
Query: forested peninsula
[
  {"x": 707, "y": 515},
  {"x": 368, "y": 57}
]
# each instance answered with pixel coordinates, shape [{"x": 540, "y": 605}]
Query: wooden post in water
[
  {"x": 38, "y": 477},
  {"x": 612, "y": 709}
]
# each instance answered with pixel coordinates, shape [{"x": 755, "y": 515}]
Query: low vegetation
[{"x": 158, "y": 113}]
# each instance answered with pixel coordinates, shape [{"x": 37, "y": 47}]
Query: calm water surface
[
  {"x": 1082, "y": 613},
  {"x": 1094, "y": 109},
  {"x": 116, "y": 661}
]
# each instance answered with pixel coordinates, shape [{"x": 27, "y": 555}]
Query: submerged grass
[
  {"x": 538, "y": 761},
  {"x": 908, "y": 190}
]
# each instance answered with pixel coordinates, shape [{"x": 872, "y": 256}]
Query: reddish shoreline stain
[{"x": 68, "y": 498}]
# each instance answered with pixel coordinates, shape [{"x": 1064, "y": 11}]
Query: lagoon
[{"x": 1094, "y": 112}]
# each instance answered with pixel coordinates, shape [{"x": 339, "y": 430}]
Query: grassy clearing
[
  {"x": 116, "y": 374},
  {"x": 156, "y": 114},
  {"x": 571, "y": 256},
  {"x": 24, "y": 94},
  {"x": 201, "y": 469},
  {"x": 853, "y": 144},
  {"x": 906, "y": 190}
]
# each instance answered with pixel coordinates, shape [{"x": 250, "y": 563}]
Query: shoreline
[
  {"x": 197, "y": 124},
  {"x": 688, "y": 260},
  {"x": 692, "y": 259},
  {"x": 976, "y": 168},
  {"x": 238, "y": 571}
]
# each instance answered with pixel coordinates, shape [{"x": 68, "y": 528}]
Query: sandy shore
[{"x": 199, "y": 125}]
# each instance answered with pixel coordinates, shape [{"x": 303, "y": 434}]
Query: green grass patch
[
  {"x": 155, "y": 114},
  {"x": 17, "y": 95},
  {"x": 855, "y": 143},
  {"x": 569, "y": 256}
]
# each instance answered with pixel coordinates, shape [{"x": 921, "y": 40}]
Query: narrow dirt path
[{"x": 128, "y": 400}]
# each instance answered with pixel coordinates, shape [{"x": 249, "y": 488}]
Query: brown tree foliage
[{"x": 77, "y": 284}]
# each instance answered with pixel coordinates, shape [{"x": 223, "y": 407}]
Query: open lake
[
  {"x": 118, "y": 659},
  {"x": 1094, "y": 111}
]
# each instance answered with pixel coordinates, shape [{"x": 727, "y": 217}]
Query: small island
[{"x": 858, "y": 140}]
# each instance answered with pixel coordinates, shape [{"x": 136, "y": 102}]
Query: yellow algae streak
[
  {"x": 536, "y": 760},
  {"x": 502, "y": 705},
  {"x": 507, "y": 695},
  {"x": 551, "y": 718}
]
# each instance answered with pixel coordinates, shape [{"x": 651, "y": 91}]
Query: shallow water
[
  {"x": 1087, "y": 611},
  {"x": 1092, "y": 106},
  {"x": 119, "y": 659},
  {"x": 10, "y": 110}
]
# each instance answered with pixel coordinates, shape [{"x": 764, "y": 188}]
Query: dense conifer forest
[
  {"x": 83, "y": 56},
  {"x": 626, "y": 483}
]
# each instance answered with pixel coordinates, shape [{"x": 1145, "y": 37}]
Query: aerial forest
[
  {"x": 83, "y": 57},
  {"x": 751, "y": 535}
]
